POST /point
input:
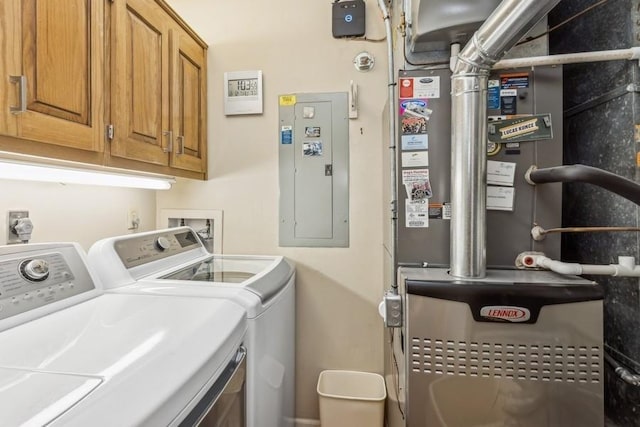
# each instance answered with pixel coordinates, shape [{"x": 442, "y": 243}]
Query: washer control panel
[
  {"x": 33, "y": 276},
  {"x": 142, "y": 249}
]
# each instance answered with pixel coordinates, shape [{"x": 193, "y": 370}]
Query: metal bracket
[
  {"x": 13, "y": 218},
  {"x": 21, "y": 81}
]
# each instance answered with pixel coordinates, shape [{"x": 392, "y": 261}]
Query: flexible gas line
[
  {"x": 538, "y": 233},
  {"x": 623, "y": 373}
]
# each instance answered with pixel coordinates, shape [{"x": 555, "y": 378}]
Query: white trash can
[{"x": 351, "y": 399}]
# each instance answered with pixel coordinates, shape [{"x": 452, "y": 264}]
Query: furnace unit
[{"x": 517, "y": 348}]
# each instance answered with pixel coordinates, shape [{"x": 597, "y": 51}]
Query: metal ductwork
[{"x": 511, "y": 20}]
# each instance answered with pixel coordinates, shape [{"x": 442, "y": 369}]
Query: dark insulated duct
[
  {"x": 511, "y": 20},
  {"x": 620, "y": 185}
]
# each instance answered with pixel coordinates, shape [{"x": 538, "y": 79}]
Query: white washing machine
[
  {"x": 72, "y": 355},
  {"x": 174, "y": 262}
]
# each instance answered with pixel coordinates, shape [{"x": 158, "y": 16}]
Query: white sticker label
[
  {"x": 500, "y": 198},
  {"x": 508, "y": 92},
  {"x": 415, "y": 159},
  {"x": 416, "y": 213},
  {"x": 415, "y": 142},
  {"x": 426, "y": 87},
  {"x": 500, "y": 173},
  {"x": 446, "y": 211},
  {"x": 506, "y": 313}
]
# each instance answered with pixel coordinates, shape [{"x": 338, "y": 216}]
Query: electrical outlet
[
  {"x": 133, "y": 219},
  {"x": 12, "y": 220},
  {"x": 393, "y": 310}
]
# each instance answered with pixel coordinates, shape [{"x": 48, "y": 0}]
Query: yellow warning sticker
[{"x": 287, "y": 100}]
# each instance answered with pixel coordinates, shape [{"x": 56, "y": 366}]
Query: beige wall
[
  {"x": 338, "y": 288},
  {"x": 75, "y": 213}
]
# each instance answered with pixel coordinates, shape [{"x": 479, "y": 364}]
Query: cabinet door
[
  {"x": 57, "y": 48},
  {"x": 140, "y": 76},
  {"x": 10, "y": 65},
  {"x": 188, "y": 102}
]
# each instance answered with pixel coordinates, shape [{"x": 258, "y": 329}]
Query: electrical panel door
[{"x": 314, "y": 159}]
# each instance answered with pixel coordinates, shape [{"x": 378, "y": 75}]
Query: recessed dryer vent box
[
  {"x": 206, "y": 223},
  {"x": 348, "y": 18}
]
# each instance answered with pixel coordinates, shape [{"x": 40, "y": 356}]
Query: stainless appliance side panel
[{"x": 463, "y": 373}]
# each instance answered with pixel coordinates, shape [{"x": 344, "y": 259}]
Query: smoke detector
[{"x": 363, "y": 61}]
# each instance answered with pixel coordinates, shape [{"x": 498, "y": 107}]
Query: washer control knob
[
  {"x": 162, "y": 243},
  {"x": 35, "y": 270}
]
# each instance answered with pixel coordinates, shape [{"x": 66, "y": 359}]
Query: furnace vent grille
[{"x": 536, "y": 362}]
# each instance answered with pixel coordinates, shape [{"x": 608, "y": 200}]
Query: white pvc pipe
[
  {"x": 570, "y": 58},
  {"x": 626, "y": 266}
]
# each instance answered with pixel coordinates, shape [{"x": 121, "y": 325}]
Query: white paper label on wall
[
  {"x": 416, "y": 213},
  {"x": 500, "y": 198},
  {"x": 500, "y": 173},
  {"x": 415, "y": 159}
]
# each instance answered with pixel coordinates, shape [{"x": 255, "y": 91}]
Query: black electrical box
[{"x": 348, "y": 18}]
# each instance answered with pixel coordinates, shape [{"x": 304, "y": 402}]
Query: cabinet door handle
[
  {"x": 21, "y": 81},
  {"x": 180, "y": 144},
  {"x": 169, "y": 147}
]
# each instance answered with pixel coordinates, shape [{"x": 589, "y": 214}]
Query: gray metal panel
[
  {"x": 435, "y": 24},
  {"x": 314, "y": 187},
  {"x": 432, "y": 27},
  {"x": 430, "y": 244},
  {"x": 313, "y": 201},
  {"x": 508, "y": 233}
]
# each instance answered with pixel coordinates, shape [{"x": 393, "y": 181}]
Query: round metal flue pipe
[{"x": 511, "y": 20}]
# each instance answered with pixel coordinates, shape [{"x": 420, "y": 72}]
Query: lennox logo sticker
[{"x": 505, "y": 313}]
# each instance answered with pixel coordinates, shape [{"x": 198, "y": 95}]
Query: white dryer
[
  {"x": 75, "y": 356},
  {"x": 173, "y": 262}
]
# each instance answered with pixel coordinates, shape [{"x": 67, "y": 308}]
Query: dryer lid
[
  {"x": 56, "y": 394},
  {"x": 153, "y": 353},
  {"x": 265, "y": 276}
]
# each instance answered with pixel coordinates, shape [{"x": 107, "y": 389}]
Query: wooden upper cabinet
[
  {"x": 188, "y": 102},
  {"x": 139, "y": 79},
  {"x": 158, "y": 105},
  {"x": 71, "y": 67},
  {"x": 55, "y": 53}
]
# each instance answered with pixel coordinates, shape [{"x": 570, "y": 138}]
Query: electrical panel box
[
  {"x": 348, "y": 18},
  {"x": 424, "y": 165},
  {"x": 314, "y": 170}
]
